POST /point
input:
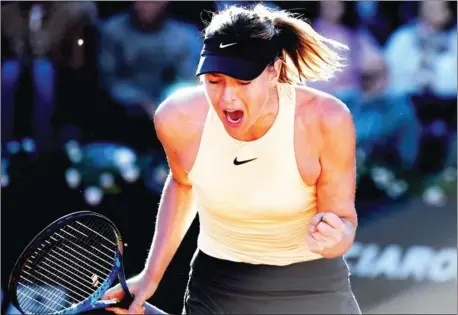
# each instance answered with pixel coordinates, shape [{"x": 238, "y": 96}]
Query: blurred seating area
[{"x": 91, "y": 74}]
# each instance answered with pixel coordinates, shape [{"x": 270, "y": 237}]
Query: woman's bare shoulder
[
  {"x": 325, "y": 109},
  {"x": 180, "y": 118}
]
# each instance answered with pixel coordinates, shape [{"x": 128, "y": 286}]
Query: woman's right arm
[{"x": 176, "y": 211}]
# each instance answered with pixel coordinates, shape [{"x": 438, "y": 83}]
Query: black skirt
[{"x": 223, "y": 287}]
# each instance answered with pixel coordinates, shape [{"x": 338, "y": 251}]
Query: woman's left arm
[{"x": 332, "y": 230}]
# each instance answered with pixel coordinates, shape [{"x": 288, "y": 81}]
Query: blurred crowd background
[{"x": 81, "y": 79}]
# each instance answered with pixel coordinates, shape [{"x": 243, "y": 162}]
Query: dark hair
[{"x": 305, "y": 53}]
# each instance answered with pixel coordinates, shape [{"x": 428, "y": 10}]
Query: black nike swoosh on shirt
[{"x": 236, "y": 162}]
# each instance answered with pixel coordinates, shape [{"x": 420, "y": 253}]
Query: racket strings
[
  {"x": 60, "y": 278},
  {"x": 68, "y": 267}
]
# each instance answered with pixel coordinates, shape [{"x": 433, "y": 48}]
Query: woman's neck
[{"x": 267, "y": 118}]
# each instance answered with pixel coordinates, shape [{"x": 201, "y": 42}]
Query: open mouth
[{"x": 234, "y": 117}]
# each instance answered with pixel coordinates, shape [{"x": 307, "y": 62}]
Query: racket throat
[{"x": 128, "y": 297}]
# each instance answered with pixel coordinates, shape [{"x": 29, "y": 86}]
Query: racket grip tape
[{"x": 149, "y": 309}]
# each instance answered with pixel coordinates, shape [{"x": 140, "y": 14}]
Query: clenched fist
[{"x": 325, "y": 231}]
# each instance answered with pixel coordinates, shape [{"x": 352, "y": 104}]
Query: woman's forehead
[
  {"x": 227, "y": 77},
  {"x": 214, "y": 74},
  {"x": 220, "y": 76}
]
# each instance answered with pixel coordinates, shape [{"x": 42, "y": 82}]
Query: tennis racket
[{"x": 68, "y": 267}]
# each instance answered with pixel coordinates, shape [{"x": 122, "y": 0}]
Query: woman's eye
[
  {"x": 244, "y": 82},
  {"x": 213, "y": 82}
]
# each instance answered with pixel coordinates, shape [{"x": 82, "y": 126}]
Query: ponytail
[{"x": 306, "y": 55}]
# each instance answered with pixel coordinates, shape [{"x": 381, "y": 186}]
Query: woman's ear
[{"x": 274, "y": 71}]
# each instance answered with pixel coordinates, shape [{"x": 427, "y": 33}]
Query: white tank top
[{"x": 256, "y": 212}]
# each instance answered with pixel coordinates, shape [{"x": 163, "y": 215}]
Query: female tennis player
[{"x": 267, "y": 164}]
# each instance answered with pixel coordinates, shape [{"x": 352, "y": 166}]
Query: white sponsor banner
[{"x": 396, "y": 262}]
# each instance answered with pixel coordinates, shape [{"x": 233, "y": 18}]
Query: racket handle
[{"x": 150, "y": 309}]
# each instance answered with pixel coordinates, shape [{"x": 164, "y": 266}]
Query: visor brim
[{"x": 234, "y": 67}]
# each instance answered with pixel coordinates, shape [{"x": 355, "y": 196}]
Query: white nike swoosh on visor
[{"x": 226, "y": 45}]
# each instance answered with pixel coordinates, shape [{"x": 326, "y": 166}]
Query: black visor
[{"x": 237, "y": 58}]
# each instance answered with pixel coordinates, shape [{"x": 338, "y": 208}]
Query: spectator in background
[
  {"x": 330, "y": 24},
  {"x": 42, "y": 36},
  {"x": 422, "y": 55},
  {"x": 384, "y": 122},
  {"x": 220, "y": 5},
  {"x": 373, "y": 22},
  {"x": 143, "y": 52}
]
